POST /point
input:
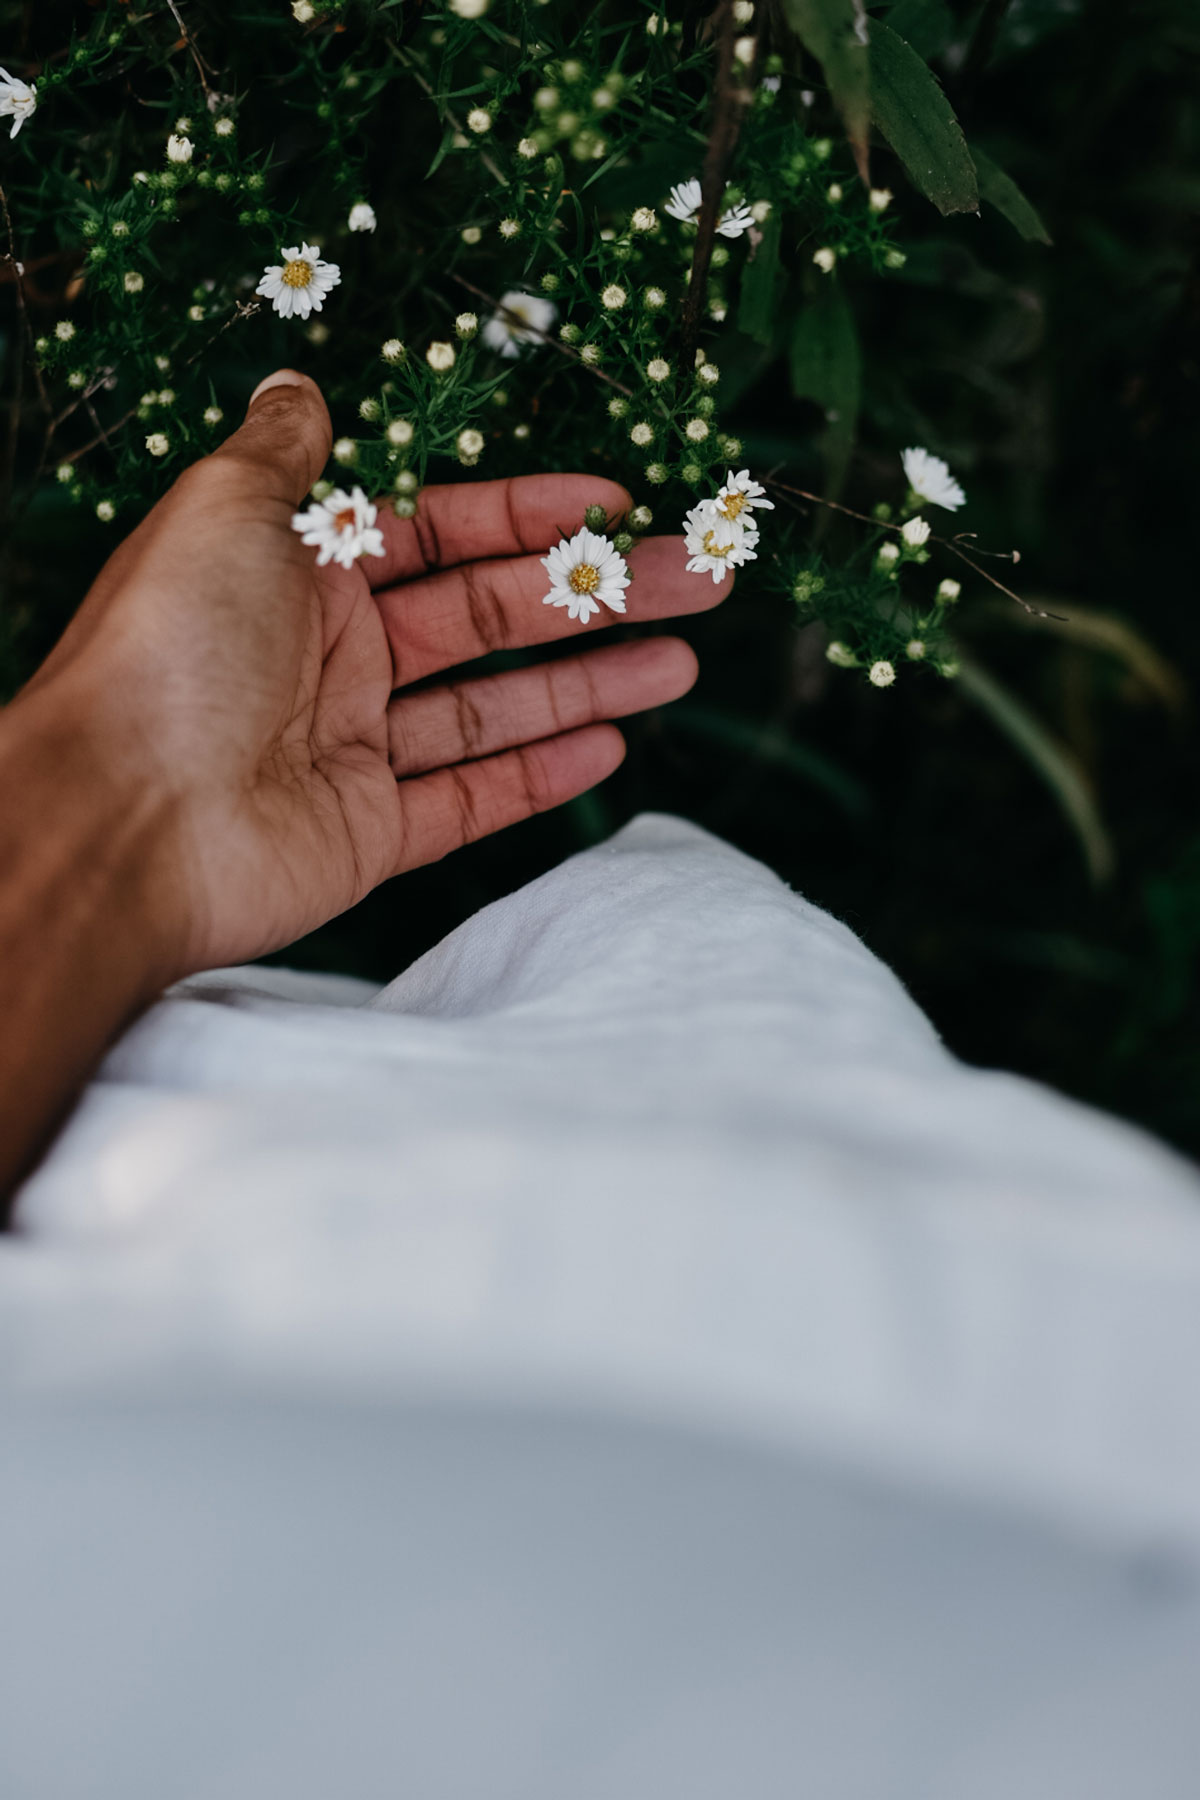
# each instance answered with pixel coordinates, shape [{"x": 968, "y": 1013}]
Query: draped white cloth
[{"x": 626, "y": 1355}]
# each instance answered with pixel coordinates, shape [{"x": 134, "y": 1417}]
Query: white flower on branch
[
  {"x": 930, "y": 479},
  {"x": 825, "y": 258},
  {"x": 520, "y": 319},
  {"x": 915, "y": 532},
  {"x": 158, "y": 443},
  {"x": 179, "y": 149},
  {"x": 340, "y": 528},
  {"x": 362, "y": 217},
  {"x": 715, "y": 543},
  {"x": 301, "y": 283},
  {"x": 684, "y": 205},
  {"x": 948, "y": 591},
  {"x": 882, "y": 674},
  {"x": 18, "y": 100},
  {"x": 584, "y": 571},
  {"x": 742, "y": 495}
]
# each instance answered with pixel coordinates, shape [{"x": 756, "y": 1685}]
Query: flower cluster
[{"x": 722, "y": 533}]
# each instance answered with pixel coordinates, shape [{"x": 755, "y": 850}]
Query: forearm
[{"x": 82, "y": 939}]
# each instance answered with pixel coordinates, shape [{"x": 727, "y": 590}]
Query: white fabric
[{"x": 653, "y": 1173}]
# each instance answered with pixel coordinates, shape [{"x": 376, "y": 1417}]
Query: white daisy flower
[
  {"x": 825, "y": 258},
  {"x": 915, "y": 532},
  {"x": 18, "y": 100},
  {"x": 362, "y": 217},
  {"x": 179, "y": 149},
  {"x": 882, "y": 674},
  {"x": 299, "y": 285},
  {"x": 716, "y": 544},
  {"x": 684, "y": 205},
  {"x": 585, "y": 570},
  {"x": 158, "y": 443},
  {"x": 303, "y": 11},
  {"x": 931, "y": 480},
  {"x": 948, "y": 590},
  {"x": 340, "y": 528},
  {"x": 741, "y": 495},
  {"x": 879, "y": 199},
  {"x": 520, "y": 319},
  {"x": 841, "y": 655}
]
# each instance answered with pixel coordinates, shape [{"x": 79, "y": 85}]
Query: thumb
[{"x": 283, "y": 444}]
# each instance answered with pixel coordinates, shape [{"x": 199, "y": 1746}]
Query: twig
[
  {"x": 554, "y": 343},
  {"x": 722, "y": 141},
  {"x": 242, "y": 309},
  {"x": 195, "y": 54},
  {"x": 954, "y": 545},
  {"x": 488, "y": 160}
]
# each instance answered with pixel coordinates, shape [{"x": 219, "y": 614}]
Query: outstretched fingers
[
  {"x": 454, "y": 806},
  {"x": 459, "y": 720},
  {"x": 456, "y": 615},
  {"x": 464, "y": 521}
]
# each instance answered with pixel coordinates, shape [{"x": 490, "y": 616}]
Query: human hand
[{"x": 268, "y": 705}]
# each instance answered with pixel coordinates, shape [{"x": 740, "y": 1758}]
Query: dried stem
[
  {"x": 196, "y": 57},
  {"x": 954, "y": 545},
  {"x": 554, "y": 343},
  {"x": 728, "y": 102}
]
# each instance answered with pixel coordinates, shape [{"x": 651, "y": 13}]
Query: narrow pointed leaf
[
  {"x": 826, "y": 366},
  {"x": 836, "y": 33},
  {"x": 914, "y": 115},
  {"x": 758, "y": 307},
  {"x": 1001, "y": 191},
  {"x": 1052, "y": 761}
]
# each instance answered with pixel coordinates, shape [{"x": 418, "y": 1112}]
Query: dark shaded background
[{"x": 1063, "y": 384}]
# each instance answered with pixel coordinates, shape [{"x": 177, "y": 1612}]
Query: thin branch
[
  {"x": 488, "y": 160},
  {"x": 196, "y": 57},
  {"x": 243, "y": 309},
  {"x": 954, "y": 545},
  {"x": 728, "y": 104},
  {"x": 554, "y": 343}
]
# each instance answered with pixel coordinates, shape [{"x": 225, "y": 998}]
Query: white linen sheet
[{"x": 627, "y": 1354}]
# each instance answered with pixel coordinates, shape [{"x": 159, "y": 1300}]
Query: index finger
[{"x": 468, "y": 520}]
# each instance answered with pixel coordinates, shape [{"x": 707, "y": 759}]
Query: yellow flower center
[
  {"x": 297, "y": 273},
  {"x": 712, "y": 547},
  {"x": 345, "y": 519},
  {"x": 585, "y": 579},
  {"x": 732, "y": 505}
]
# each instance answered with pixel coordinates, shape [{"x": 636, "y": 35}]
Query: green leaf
[
  {"x": 1001, "y": 191},
  {"x": 1052, "y": 761},
  {"x": 826, "y": 366},
  {"x": 836, "y": 33},
  {"x": 758, "y": 307},
  {"x": 928, "y": 25},
  {"x": 917, "y": 120}
]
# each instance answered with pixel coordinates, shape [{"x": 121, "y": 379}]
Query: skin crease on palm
[{"x": 260, "y": 707}]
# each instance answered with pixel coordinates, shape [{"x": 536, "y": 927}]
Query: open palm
[{"x": 301, "y": 762}]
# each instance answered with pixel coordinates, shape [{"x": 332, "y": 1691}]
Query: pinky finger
[{"x": 455, "y": 806}]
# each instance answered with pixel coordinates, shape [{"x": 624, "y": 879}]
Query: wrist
[{"x": 85, "y": 821}]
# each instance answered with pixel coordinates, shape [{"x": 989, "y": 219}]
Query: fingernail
[{"x": 281, "y": 378}]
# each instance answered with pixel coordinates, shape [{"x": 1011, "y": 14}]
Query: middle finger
[{"x": 455, "y": 615}]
